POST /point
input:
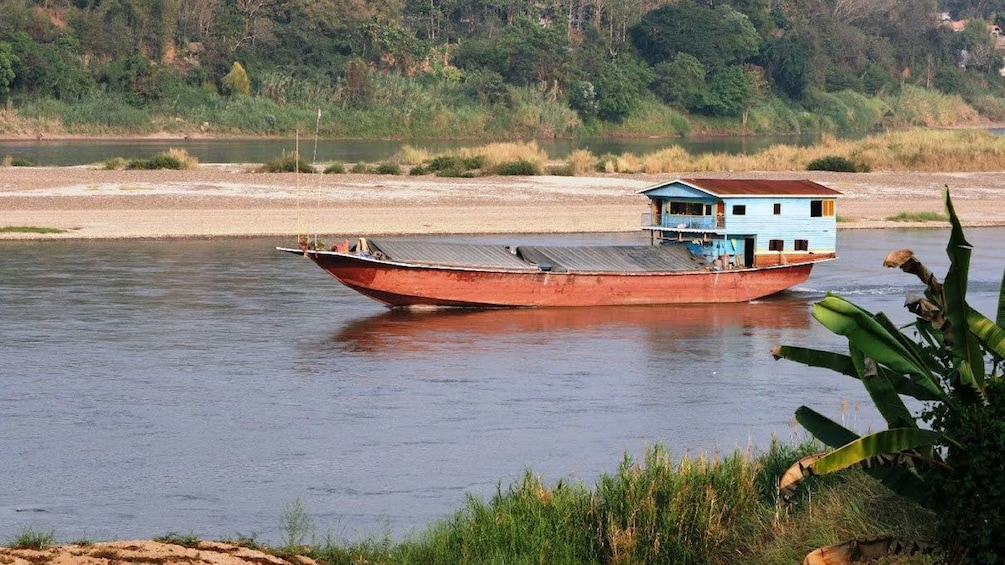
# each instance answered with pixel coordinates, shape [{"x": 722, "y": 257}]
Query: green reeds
[
  {"x": 29, "y": 229},
  {"x": 919, "y": 217}
]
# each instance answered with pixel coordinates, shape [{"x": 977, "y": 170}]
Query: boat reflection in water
[{"x": 405, "y": 330}]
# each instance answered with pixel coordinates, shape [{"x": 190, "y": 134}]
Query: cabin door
[
  {"x": 720, "y": 214},
  {"x": 748, "y": 252}
]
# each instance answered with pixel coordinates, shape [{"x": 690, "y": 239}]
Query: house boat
[{"x": 711, "y": 240}]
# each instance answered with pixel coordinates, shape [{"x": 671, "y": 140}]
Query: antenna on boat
[
  {"x": 314, "y": 161},
  {"x": 296, "y": 169}
]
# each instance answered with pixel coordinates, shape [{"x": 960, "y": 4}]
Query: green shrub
[
  {"x": 837, "y": 164},
  {"x": 336, "y": 168},
  {"x": 561, "y": 171},
  {"x": 517, "y": 168},
  {"x": 360, "y": 169},
  {"x": 31, "y": 539},
  {"x": 114, "y": 164},
  {"x": 443, "y": 162},
  {"x": 388, "y": 169},
  {"x": 287, "y": 163},
  {"x": 176, "y": 538},
  {"x": 918, "y": 217},
  {"x": 418, "y": 170},
  {"x": 455, "y": 173},
  {"x": 156, "y": 162},
  {"x": 9, "y": 161}
]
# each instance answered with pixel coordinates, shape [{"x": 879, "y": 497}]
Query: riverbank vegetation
[
  {"x": 442, "y": 69},
  {"x": 916, "y": 150},
  {"x": 662, "y": 509}
]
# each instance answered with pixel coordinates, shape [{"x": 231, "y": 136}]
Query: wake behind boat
[{"x": 713, "y": 241}]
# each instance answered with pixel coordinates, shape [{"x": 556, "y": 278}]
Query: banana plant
[{"x": 957, "y": 350}]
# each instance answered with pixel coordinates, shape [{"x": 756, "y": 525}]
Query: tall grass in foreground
[{"x": 702, "y": 509}]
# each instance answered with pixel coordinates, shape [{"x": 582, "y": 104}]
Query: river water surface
[{"x": 201, "y": 386}]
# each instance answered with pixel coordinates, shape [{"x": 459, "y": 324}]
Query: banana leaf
[
  {"x": 967, "y": 353},
  {"x": 892, "y": 441},
  {"x": 823, "y": 428},
  {"x": 840, "y": 363},
  {"x": 991, "y": 334},
  {"x": 864, "y": 332},
  {"x": 1000, "y": 318},
  {"x": 882, "y": 392}
]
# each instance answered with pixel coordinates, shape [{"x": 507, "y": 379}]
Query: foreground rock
[{"x": 204, "y": 553}]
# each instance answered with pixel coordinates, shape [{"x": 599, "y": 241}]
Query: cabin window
[
  {"x": 778, "y": 208},
  {"x": 739, "y": 210},
  {"x": 802, "y": 245},
  {"x": 689, "y": 209},
  {"x": 819, "y": 208},
  {"x": 776, "y": 245}
]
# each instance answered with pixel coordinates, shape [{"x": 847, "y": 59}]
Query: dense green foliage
[
  {"x": 517, "y": 69},
  {"x": 953, "y": 368},
  {"x": 836, "y": 163}
]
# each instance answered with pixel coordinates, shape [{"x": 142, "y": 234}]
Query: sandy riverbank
[{"x": 231, "y": 200}]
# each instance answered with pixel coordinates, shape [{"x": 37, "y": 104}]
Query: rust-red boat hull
[{"x": 403, "y": 284}]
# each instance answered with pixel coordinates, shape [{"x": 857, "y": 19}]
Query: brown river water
[{"x": 201, "y": 386}]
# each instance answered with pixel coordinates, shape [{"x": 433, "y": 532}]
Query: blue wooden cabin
[{"x": 737, "y": 223}]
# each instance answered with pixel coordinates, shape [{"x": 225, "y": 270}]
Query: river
[
  {"x": 201, "y": 386},
  {"x": 73, "y": 152}
]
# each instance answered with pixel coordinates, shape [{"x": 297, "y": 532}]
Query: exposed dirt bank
[
  {"x": 205, "y": 553},
  {"x": 231, "y": 200}
]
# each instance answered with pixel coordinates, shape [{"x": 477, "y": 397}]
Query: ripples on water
[{"x": 201, "y": 386}]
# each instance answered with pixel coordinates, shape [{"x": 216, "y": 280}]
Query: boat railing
[{"x": 683, "y": 222}]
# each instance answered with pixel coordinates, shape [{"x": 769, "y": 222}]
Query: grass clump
[
  {"x": 336, "y": 168},
  {"x": 561, "y": 171},
  {"x": 387, "y": 168},
  {"x": 453, "y": 165},
  {"x": 581, "y": 161},
  {"x": 114, "y": 164},
  {"x": 708, "y": 509},
  {"x": 837, "y": 164},
  {"x": 177, "y": 159},
  {"x": 519, "y": 167},
  {"x": 177, "y": 538},
  {"x": 494, "y": 155},
  {"x": 29, "y": 538},
  {"x": 359, "y": 169},
  {"x": 10, "y": 161},
  {"x": 29, "y": 229},
  {"x": 919, "y": 217},
  {"x": 286, "y": 163}
]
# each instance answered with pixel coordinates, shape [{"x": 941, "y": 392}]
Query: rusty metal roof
[
  {"x": 761, "y": 187},
  {"x": 604, "y": 258},
  {"x": 614, "y": 258},
  {"x": 448, "y": 254}
]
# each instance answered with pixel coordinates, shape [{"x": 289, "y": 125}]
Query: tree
[
  {"x": 789, "y": 62},
  {"x": 717, "y": 37},
  {"x": 236, "y": 82},
  {"x": 8, "y": 60},
  {"x": 533, "y": 53},
  {"x": 730, "y": 91},
  {"x": 954, "y": 366},
  {"x": 680, "y": 82}
]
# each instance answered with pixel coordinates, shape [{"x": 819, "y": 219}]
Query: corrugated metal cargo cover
[
  {"x": 448, "y": 254},
  {"x": 614, "y": 258},
  {"x": 619, "y": 258}
]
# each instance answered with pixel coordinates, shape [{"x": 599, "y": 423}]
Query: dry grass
[
  {"x": 187, "y": 160},
  {"x": 412, "y": 156},
  {"x": 581, "y": 161},
  {"x": 496, "y": 154},
  {"x": 915, "y": 150}
]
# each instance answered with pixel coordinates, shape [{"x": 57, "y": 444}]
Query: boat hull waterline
[{"x": 404, "y": 284}]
